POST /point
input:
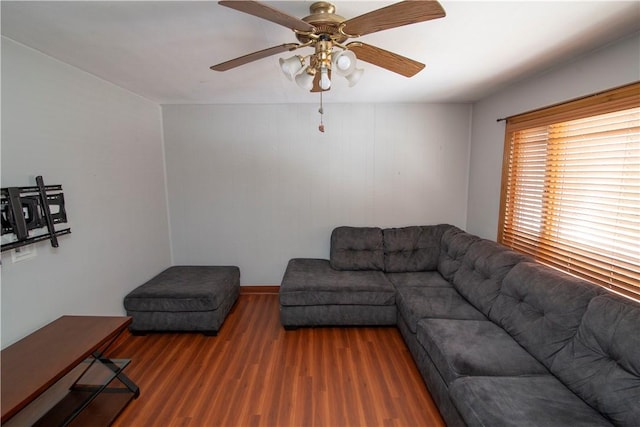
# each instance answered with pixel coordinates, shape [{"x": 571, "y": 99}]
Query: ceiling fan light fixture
[
  {"x": 305, "y": 79},
  {"x": 354, "y": 77},
  {"x": 323, "y": 30},
  {"x": 291, "y": 66}
]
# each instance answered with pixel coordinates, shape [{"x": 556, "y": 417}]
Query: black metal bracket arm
[{"x": 29, "y": 208}]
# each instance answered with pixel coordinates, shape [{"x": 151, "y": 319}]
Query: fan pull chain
[{"x": 321, "y": 111}]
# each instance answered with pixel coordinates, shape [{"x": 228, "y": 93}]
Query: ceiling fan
[{"x": 326, "y": 32}]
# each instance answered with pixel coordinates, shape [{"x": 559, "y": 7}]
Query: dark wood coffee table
[{"x": 60, "y": 375}]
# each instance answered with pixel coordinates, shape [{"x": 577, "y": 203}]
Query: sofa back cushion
[
  {"x": 411, "y": 249},
  {"x": 541, "y": 308},
  {"x": 453, "y": 246},
  {"x": 357, "y": 248},
  {"x": 601, "y": 364},
  {"x": 483, "y": 267}
]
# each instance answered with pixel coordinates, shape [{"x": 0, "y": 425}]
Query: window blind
[{"x": 571, "y": 188}]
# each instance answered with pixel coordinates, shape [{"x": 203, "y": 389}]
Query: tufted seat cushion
[
  {"x": 601, "y": 364},
  {"x": 474, "y": 347},
  {"x": 416, "y": 303},
  {"x": 522, "y": 401},
  {"x": 410, "y": 249},
  {"x": 357, "y": 248}
]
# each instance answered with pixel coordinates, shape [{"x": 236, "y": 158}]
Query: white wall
[
  {"x": 257, "y": 185},
  {"x": 104, "y": 146},
  {"x": 251, "y": 186},
  {"x": 612, "y": 66}
]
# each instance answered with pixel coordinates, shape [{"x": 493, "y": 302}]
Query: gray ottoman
[{"x": 184, "y": 298}]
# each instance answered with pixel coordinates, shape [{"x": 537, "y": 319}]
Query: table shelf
[
  {"x": 101, "y": 411},
  {"x": 60, "y": 376}
]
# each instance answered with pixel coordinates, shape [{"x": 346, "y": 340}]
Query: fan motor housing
[{"x": 326, "y": 21}]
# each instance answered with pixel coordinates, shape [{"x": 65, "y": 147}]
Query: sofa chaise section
[{"x": 313, "y": 293}]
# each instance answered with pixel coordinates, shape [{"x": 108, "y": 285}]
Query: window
[{"x": 571, "y": 187}]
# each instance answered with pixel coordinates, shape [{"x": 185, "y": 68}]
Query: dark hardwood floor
[{"x": 254, "y": 373}]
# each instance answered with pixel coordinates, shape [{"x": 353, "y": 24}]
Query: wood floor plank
[{"x": 254, "y": 373}]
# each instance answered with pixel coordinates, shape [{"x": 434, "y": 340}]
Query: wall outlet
[{"x": 23, "y": 253}]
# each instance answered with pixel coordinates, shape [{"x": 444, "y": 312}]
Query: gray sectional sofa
[{"x": 498, "y": 338}]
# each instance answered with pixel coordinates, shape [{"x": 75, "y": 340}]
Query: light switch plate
[{"x": 23, "y": 253}]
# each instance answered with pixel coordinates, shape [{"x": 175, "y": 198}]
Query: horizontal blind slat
[{"x": 571, "y": 189}]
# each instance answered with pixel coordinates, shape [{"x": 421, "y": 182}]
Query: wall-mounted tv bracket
[{"x": 29, "y": 208}]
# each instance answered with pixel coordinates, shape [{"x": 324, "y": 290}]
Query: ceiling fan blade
[
  {"x": 263, "y": 11},
  {"x": 233, "y": 63},
  {"x": 395, "y": 15},
  {"x": 385, "y": 59}
]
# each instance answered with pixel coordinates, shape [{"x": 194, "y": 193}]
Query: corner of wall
[
  {"x": 469, "y": 141},
  {"x": 166, "y": 186}
]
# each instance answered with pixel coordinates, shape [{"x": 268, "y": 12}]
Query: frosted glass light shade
[
  {"x": 305, "y": 80},
  {"x": 291, "y": 66},
  {"x": 354, "y": 77},
  {"x": 344, "y": 62}
]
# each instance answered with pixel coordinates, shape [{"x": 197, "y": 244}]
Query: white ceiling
[{"x": 162, "y": 50}]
